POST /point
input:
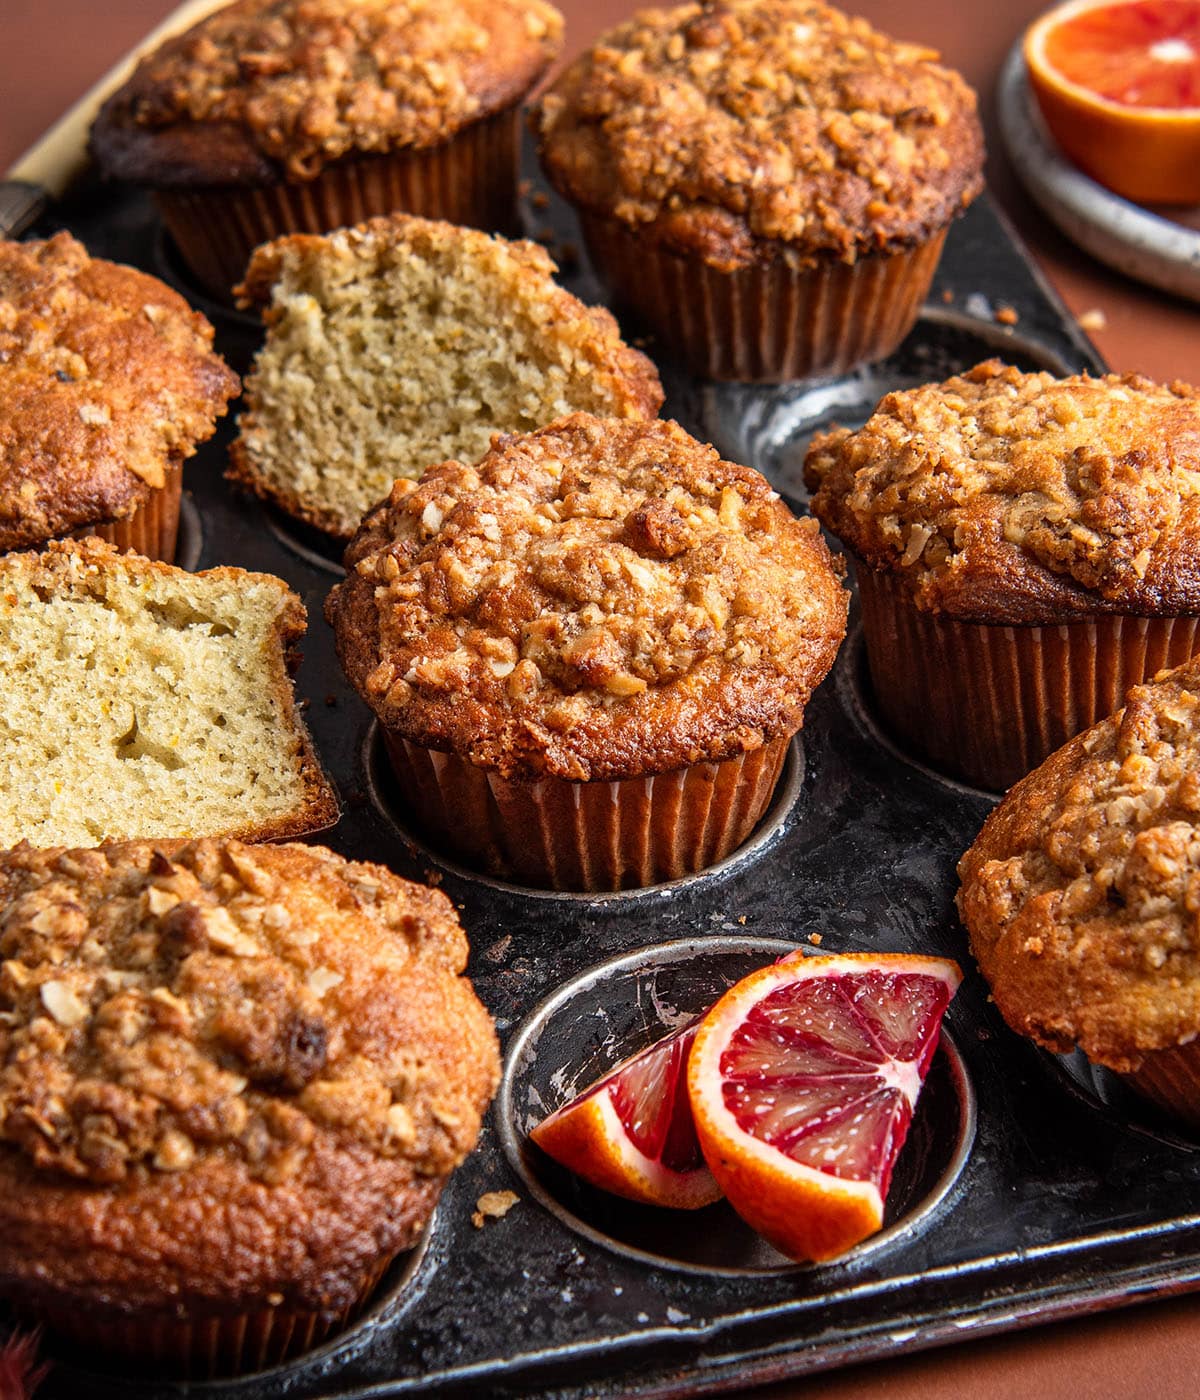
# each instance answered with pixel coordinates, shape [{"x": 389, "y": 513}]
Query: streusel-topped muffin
[
  {"x": 232, "y": 1083},
  {"x": 596, "y": 602},
  {"x": 1082, "y": 894},
  {"x": 743, "y": 144},
  {"x": 1030, "y": 548},
  {"x": 108, "y": 383},
  {"x": 278, "y": 116}
]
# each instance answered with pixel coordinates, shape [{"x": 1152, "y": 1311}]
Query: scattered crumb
[
  {"x": 541, "y": 200},
  {"x": 497, "y": 951},
  {"x": 1092, "y": 320},
  {"x": 331, "y": 701},
  {"x": 304, "y": 704},
  {"x": 741, "y": 918},
  {"x": 433, "y": 878},
  {"x": 815, "y": 939},
  {"x": 274, "y": 1300},
  {"x": 524, "y": 187},
  {"x": 493, "y": 1205},
  {"x": 1006, "y": 315},
  {"x": 983, "y": 1033},
  {"x": 947, "y": 296}
]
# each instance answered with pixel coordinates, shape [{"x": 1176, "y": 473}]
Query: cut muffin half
[
  {"x": 403, "y": 342},
  {"x": 138, "y": 700}
]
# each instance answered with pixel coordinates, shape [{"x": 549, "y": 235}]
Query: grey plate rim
[
  {"x": 523, "y": 1044},
  {"x": 1141, "y": 244}
]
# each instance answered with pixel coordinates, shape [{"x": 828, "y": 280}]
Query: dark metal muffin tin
[{"x": 1029, "y": 1189}]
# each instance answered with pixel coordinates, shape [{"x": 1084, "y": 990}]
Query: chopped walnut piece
[{"x": 493, "y": 1205}]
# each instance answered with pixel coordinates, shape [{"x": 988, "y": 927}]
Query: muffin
[
  {"x": 137, "y": 700},
  {"x": 403, "y": 342},
  {"x": 1027, "y": 547},
  {"x": 767, "y": 183},
  {"x": 108, "y": 383},
  {"x": 589, "y": 651},
  {"x": 232, "y": 1083},
  {"x": 1081, "y": 895},
  {"x": 282, "y": 116}
]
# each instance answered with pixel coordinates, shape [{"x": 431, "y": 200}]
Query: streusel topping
[
  {"x": 159, "y": 1004},
  {"x": 107, "y": 377},
  {"x": 1010, "y": 497},
  {"x": 310, "y": 80},
  {"x": 735, "y": 120},
  {"x": 596, "y": 595},
  {"x": 1082, "y": 893}
]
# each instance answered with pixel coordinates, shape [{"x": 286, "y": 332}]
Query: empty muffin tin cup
[{"x": 615, "y": 1009}]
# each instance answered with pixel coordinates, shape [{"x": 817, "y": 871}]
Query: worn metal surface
[{"x": 1066, "y": 1198}]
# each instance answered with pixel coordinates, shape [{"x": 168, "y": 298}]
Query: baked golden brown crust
[
  {"x": 107, "y": 378},
  {"x": 266, "y": 90},
  {"x": 225, "y": 1072},
  {"x": 743, "y": 130},
  {"x": 599, "y": 599},
  {"x": 1003, "y": 497},
  {"x": 1082, "y": 892}
]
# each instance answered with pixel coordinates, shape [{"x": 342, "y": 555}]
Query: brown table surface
[{"x": 52, "y": 50}]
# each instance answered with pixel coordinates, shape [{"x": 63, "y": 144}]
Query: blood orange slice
[
  {"x": 802, "y": 1081},
  {"x": 631, "y": 1132},
  {"x": 1118, "y": 82}
]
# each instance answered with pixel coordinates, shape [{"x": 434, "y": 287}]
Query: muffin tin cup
[
  {"x": 152, "y": 529},
  {"x": 769, "y": 322},
  {"x": 987, "y": 703},
  {"x": 594, "y": 836},
  {"x": 203, "y": 1346},
  {"x": 470, "y": 179}
]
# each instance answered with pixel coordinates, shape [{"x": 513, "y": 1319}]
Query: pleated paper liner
[
  {"x": 1171, "y": 1079},
  {"x": 470, "y": 179},
  {"x": 988, "y": 703},
  {"x": 203, "y": 1344},
  {"x": 152, "y": 529},
  {"x": 769, "y": 322},
  {"x": 596, "y": 836}
]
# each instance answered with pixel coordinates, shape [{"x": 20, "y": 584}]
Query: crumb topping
[
  {"x": 107, "y": 378},
  {"x": 1082, "y": 893},
  {"x": 735, "y": 120},
  {"x": 161, "y": 1004},
  {"x": 583, "y": 593},
  {"x": 310, "y": 80},
  {"x": 1007, "y": 497}
]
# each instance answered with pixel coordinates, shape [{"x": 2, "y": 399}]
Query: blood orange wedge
[
  {"x": 1118, "y": 82},
  {"x": 631, "y": 1133},
  {"x": 802, "y": 1081}
]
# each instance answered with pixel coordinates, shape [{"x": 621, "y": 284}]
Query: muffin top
[
  {"x": 1082, "y": 892},
  {"x": 264, "y": 90},
  {"x": 107, "y": 378},
  {"x": 599, "y": 599},
  {"x": 225, "y": 1069},
  {"x": 738, "y": 129},
  {"x": 1003, "y": 497}
]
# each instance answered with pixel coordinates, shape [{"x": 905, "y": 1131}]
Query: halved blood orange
[
  {"x": 631, "y": 1132},
  {"x": 802, "y": 1081},
  {"x": 1118, "y": 82}
]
